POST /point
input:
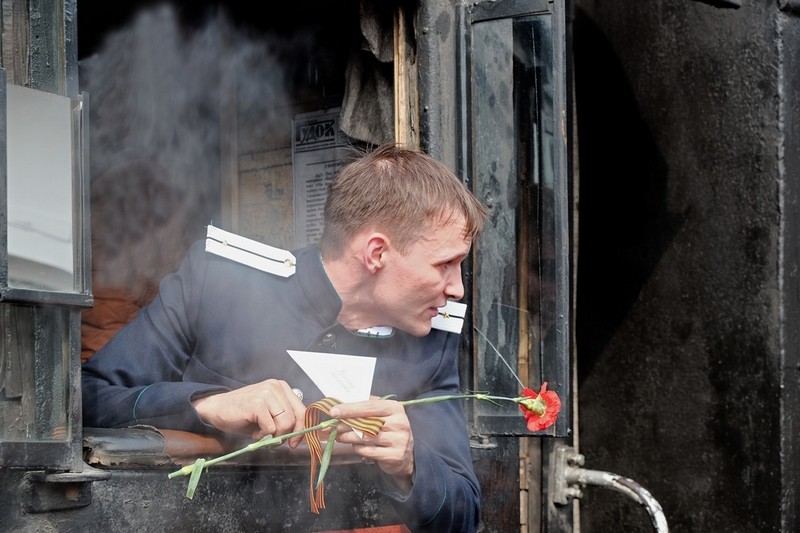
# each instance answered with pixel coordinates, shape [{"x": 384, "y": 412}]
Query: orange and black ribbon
[{"x": 369, "y": 425}]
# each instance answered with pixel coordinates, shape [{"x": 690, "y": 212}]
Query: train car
[{"x": 130, "y": 128}]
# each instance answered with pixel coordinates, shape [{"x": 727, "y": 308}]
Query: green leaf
[
  {"x": 326, "y": 456},
  {"x": 195, "y": 477}
]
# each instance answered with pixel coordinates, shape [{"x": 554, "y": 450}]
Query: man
[{"x": 209, "y": 354}]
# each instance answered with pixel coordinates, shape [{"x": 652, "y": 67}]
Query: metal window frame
[
  {"x": 53, "y": 67},
  {"x": 556, "y": 362},
  {"x": 81, "y": 296}
]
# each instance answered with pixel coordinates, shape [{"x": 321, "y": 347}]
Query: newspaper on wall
[{"x": 319, "y": 149}]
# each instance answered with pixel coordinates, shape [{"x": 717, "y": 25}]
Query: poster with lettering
[{"x": 318, "y": 152}]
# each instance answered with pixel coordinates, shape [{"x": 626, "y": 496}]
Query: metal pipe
[{"x": 626, "y": 486}]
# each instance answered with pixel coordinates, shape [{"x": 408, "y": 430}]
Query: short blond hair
[{"x": 398, "y": 191}]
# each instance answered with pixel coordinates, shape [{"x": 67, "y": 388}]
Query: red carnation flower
[{"x": 540, "y": 410}]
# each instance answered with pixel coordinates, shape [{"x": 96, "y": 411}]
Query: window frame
[
  {"x": 555, "y": 364},
  {"x": 50, "y": 321}
]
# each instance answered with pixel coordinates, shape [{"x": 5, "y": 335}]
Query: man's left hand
[{"x": 393, "y": 448}]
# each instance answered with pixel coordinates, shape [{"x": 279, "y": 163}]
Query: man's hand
[
  {"x": 393, "y": 448},
  {"x": 266, "y": 408}
]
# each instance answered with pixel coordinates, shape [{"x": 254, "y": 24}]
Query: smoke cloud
[{"x": 157, "y": 92}]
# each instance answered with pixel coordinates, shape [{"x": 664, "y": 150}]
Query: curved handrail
[{"x": 623, "y": 485}]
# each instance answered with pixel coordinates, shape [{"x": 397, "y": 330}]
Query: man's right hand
[{"x": 266, "y": 408}]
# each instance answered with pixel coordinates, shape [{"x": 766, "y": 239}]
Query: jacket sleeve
[
  {"x": 445, "y": 495},
  {"x": 137, "y": 377}
]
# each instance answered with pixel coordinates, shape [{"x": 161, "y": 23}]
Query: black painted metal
[
  {"x": 227, "y": 499},
  {"x": 789, "y": 367},
  {"x": 792, "y": 6},
  {"x": 482, "y": 11},
  {"x": 688, "y": 290},
  {"x": 3, "y": 189}
]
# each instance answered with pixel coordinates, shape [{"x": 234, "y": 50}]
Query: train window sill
[{"x": 149, "y": 447}]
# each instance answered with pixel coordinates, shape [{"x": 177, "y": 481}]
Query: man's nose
[{"x": 454, "y": 289}]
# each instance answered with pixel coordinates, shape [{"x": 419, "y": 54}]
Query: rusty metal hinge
[{"x": 44, "y": 492}]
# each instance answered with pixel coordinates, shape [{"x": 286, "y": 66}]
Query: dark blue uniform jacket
[{"x": 217, "y": 325}]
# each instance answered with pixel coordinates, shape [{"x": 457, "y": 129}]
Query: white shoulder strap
[
  {"x": 249, "y": 252},
  {"x": 450, "y": 317}
]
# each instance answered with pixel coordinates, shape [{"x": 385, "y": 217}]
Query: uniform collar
[
  {"x": 322, "y": 295},
  {"x": 316, "y": 286}
]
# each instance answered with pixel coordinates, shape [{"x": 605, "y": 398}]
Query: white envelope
[{"x": 347, "y": 378}]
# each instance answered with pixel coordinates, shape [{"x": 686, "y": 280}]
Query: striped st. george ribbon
[{"x": 370, "y": 425}]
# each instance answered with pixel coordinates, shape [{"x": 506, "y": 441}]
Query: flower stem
[
  {"x": 266, "y": 441},
  {"x": 273, "y": 441},
  {"x": 476, "y": 396},
  {"x": 499, "y": 355}
]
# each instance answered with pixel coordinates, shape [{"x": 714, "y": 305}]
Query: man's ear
[{"x": 376, "y": 245}]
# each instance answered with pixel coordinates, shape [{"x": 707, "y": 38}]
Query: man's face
[{"x": 415, "y": 284}]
